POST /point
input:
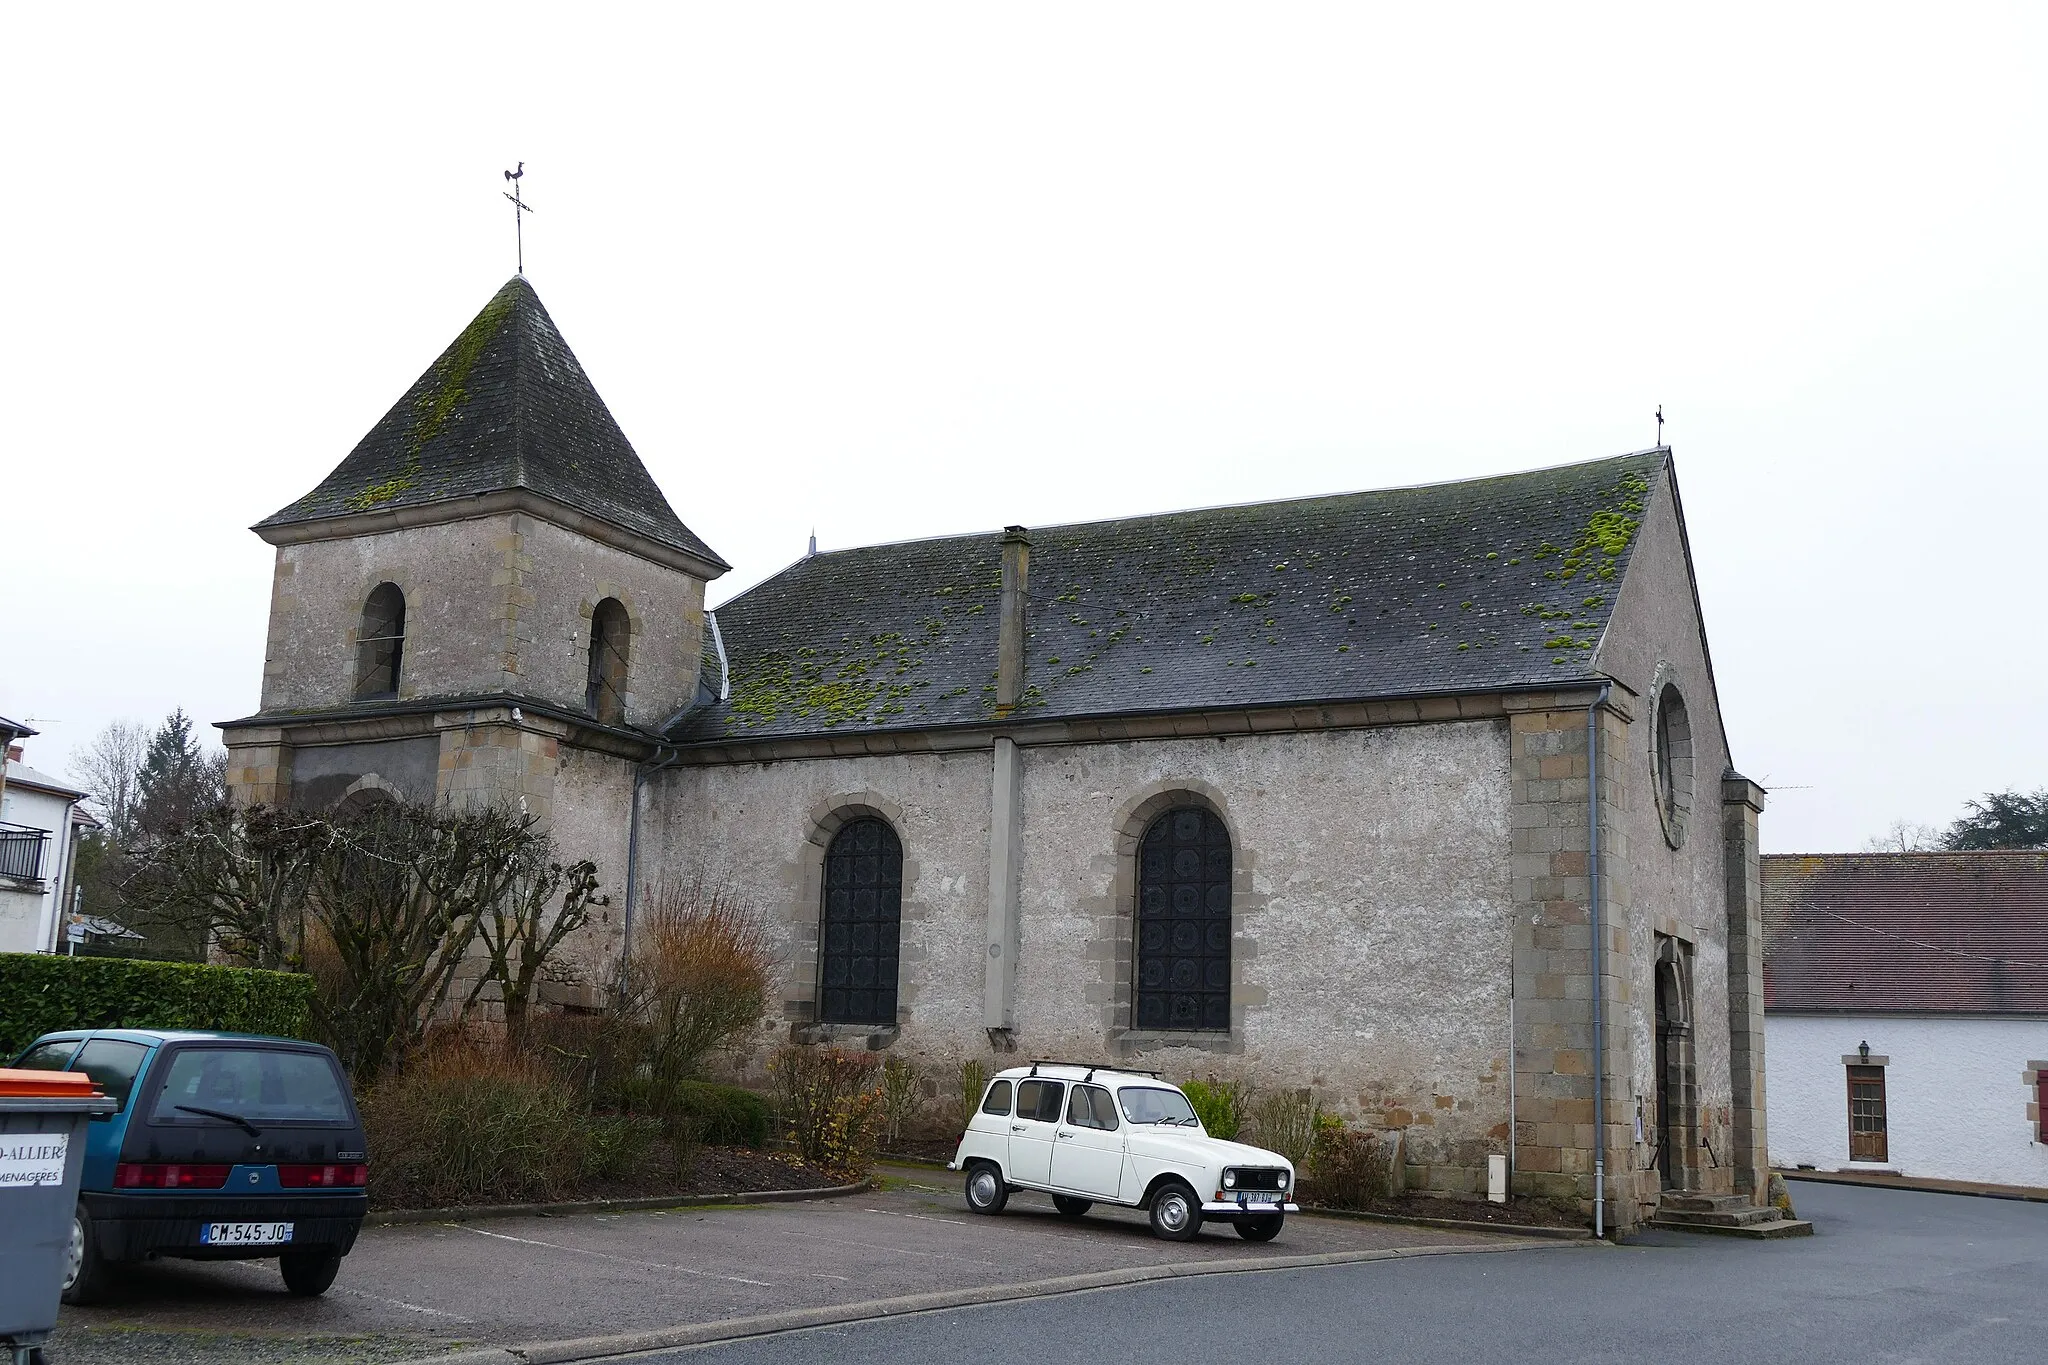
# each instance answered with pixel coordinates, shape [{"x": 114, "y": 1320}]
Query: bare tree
[
  {"x": 234, "y": 878},
  {"x": 110, "y": 770},
  {"x": 1905, "y": 836},
  {"x": 547, "y": 902},
  {"x": 396, "y": 901}
]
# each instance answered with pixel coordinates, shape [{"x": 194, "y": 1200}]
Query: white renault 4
[{"x": 1092, "y": 1135}]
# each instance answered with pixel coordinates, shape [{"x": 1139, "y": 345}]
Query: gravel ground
[{"x": 77, "y": 1344}]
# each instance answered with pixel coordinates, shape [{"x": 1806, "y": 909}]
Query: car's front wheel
[
  {"x": 309, "y": 1273},
  {"x": 1176, "y": 1215},
  {"x": 1071, "y": 1207},
  {"x": 85, "y": 1272},
  {"x": 986, "y": 1192},
  {"x": 1260, "y": 1227}
]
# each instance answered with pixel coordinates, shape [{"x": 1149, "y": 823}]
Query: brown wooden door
[{"x": 1866, "y": 1113}]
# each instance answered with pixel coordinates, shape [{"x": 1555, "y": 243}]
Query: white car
[{"x": 1093, "y": 1135}]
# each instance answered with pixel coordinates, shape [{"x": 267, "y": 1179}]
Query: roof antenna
[
  {"x": 520, "y": 208},
  {"x": 814, "y": 543},
  {"x": 1660, "y": 426}
]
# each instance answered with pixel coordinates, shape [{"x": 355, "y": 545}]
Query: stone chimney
[
  {"x": 1010, "y": 625},
  {"x": 14, "y": 751}
]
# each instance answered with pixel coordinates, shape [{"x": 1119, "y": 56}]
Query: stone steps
[{"x": 1726, "y": 1214}]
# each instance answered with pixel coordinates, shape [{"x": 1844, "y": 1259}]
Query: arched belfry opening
[
  {"x": 1677, "y": 1083},
  {"x": 380, "y": 643},
  {"x": 604, "y": 693}
]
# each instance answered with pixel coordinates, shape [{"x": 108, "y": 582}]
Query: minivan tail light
[
  {"x": 310, "y": 1177},
  {"x": 136, "y": 1175}
]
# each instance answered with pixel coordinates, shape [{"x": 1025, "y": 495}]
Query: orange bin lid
[{"x": 45, "y": 1085}]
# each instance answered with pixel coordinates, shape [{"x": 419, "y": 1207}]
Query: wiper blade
[{"x": 251, "y": 1129}]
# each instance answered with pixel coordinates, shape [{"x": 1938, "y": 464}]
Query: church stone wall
[
  {"x": 763, "y": 827},
  {"x": 1373, "y": 921},
  {"x": 493, "y": 604},
  {"x": 1372, "y": 901}
]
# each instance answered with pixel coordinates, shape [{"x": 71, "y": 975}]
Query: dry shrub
[
  {"x": 830, "y": 1104},
  {"x": 973, "y": 1084},
  {"x": 699, "y": 977},
  {"x": 466, "y": 1122},
  {"x": 1349, "y": 1168},
  {"x": 1284, "y": 1121},
  {"x": 902, "y": 1098}
]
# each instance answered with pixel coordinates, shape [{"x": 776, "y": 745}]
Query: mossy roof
[
  {"x": 1478, "y": 585},
  {"x": 505, "y": 407}
]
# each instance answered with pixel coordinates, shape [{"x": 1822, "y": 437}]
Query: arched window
[
  {"x": 1184, "y": 922},
  {"x": 380, "y": 643},
  {"x": 604, "y": 695},
  {"x": 860, "y": 924}
]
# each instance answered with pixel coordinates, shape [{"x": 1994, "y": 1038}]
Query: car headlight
[
  {"x": 1230, "y": 1180},
  {"x": 1285, "y": 1180}
]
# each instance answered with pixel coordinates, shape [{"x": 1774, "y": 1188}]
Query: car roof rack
[{"x": 1092, "y": 1067}]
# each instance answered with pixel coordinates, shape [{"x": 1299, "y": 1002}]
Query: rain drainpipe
[
  {"x": 641, "y": 772},
  {"x": 1599, "y": 960}
]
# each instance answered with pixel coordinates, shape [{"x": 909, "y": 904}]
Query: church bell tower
[{"x": 488, "y": 599}]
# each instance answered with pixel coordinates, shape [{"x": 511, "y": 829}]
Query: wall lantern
[{"x": 1863, "y": 1050}]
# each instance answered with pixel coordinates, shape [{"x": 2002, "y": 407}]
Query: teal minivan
[{"x": 225, "y": 1147}]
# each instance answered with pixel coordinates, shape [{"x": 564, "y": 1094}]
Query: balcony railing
[{"x": 21, "y": 852}]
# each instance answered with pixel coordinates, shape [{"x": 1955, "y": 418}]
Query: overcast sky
[{"x": 896, "y": 272}]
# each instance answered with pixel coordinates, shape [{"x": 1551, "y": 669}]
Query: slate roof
[
  {"x": 1871, "y": 933},
  {"x": 505, "y": 407},
  {"x": 1484, "y": 584}
]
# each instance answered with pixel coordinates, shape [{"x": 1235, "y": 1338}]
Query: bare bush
[
  {"x": 901, "y": 1098},
  {"x": 830, "y": 1105},
  {"x": 470, "y": 1123},
  {"x": 699, "y": 975},
  {"x": 1284, "y": 1121},
  {"x": 1349, "y": 1168}
]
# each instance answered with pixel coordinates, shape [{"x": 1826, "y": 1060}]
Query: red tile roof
[{"x": 1952, "y": 933}]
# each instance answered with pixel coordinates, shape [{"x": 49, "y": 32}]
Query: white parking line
[
  {"x": 921, "y": 1217},
  {"x": 365, "y": 1294},
  {"x": 877, "y": 1246},
  {"x": 627, "y": 1260}
]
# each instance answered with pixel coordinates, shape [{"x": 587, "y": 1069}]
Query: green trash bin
[{"x": 43, "y": 1115}]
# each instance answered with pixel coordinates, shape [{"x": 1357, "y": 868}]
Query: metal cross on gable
[{"x": 520, "y": 208}]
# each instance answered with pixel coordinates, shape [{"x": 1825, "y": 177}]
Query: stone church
[{"x": 1297, "y": 791}]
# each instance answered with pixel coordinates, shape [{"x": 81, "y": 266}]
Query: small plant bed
[
  {"x": 1520, "y": 1211},
  {"x": 658, "y": 1172},
  {"x": 938, "y": 1151}
]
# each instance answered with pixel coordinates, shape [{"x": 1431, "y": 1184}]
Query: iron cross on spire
[{"x": 520, "y": 208}]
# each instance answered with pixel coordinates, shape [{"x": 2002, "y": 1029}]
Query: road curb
[
  {"x": 1460, "y": 1224},
  {"x": 797, "y": 1319},
  {"x": 2030, "y": 1194},
  {"x": 471, "y": 1213}
]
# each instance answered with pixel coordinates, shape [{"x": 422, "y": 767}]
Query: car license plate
[
  {"x": 244, "y": 1234},
  {"x": 1258, "y": 1198}
]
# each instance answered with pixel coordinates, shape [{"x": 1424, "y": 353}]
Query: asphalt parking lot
[{"x": 423, "y": 1289}]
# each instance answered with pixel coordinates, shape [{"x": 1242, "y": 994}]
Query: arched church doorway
[{"x": 1677, "y": 1087}]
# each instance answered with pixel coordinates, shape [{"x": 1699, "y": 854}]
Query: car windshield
[
  {"x": 1150, "y": 1104},
  {"x": 257, "y": 1084}
]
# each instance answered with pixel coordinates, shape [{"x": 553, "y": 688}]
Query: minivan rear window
[{"x": 257, "y": 1084}]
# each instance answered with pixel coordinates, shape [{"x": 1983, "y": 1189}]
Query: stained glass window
[{"x": 1183, "y": 930}]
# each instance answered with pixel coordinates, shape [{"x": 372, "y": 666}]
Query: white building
[
  {"x": 1906, "y": 1014},
  {"x": 40, "y": 820}
]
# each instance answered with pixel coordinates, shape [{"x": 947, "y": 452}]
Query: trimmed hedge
[
  {"x": 42, "y": 994},
  {"x": 723, "y": 1115}
]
